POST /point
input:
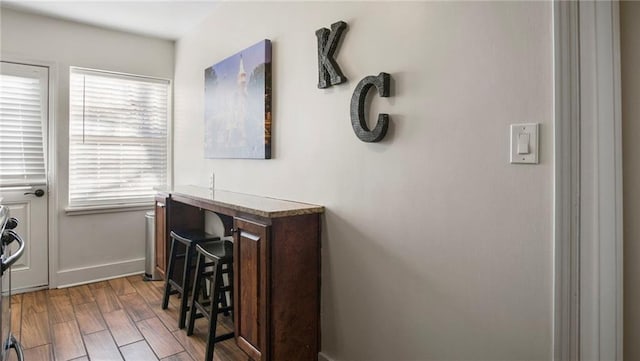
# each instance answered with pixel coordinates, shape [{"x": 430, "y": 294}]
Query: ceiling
[{"x": 168, "y": 19}]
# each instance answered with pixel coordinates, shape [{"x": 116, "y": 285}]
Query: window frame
[{"x": 125, "y": 206}]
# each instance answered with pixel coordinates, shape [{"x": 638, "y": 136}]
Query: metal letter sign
[
  {"x": 358, "y": 121},
  {"x": 329, "y": 72}
]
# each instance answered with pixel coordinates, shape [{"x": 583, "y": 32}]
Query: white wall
[
  {"x": 630, "y": 53},
  {"x": 434, "y": 246},
  {"x": 99, "y": 245}
]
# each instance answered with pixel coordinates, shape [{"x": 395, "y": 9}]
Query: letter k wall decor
[{"x": 329, "y": 72}]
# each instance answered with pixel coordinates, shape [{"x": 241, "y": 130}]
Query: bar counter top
[{"x": 251, "y": 204}]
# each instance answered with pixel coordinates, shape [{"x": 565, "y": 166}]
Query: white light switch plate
[{"x": 530, "y": 129}]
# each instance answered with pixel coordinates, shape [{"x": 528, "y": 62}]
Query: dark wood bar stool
[
  {"x": 188, "y": 239},
  {"x": 218, "y": 256}
]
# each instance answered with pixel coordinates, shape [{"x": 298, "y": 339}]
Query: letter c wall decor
[{"x": 358, "y": 121}]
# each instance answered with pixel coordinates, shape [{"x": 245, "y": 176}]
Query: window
[
  {"x": 117, "y": 138},
  {"x": 23, "y": 115}
]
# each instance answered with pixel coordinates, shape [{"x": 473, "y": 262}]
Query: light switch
[{"x": 524, "y": 143}]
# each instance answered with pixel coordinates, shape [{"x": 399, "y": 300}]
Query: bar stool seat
[
  {"x": 219, "y": 256},
  {"x": 188, "y": 239}
]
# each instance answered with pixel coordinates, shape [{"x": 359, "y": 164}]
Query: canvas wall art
[{"x": 238, "y": 105}]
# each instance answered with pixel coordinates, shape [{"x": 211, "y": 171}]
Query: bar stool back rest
[{"x": 186, "y": 240}]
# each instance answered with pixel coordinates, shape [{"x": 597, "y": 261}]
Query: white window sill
[{"x": 116, "y": 208}]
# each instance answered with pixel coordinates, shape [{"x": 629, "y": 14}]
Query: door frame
[
  {"x": 52, "y": 161},
  {"x": 588, "y": 287}
]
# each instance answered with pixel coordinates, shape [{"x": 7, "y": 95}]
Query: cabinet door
[
  {"x": 161, "y": 237},
  {"x": 251, "y": 277}
]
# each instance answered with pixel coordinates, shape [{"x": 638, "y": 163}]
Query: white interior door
[{"x": 24, "y": 104}]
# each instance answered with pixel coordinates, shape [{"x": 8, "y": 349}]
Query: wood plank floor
[{"x": 119, "y": 319}]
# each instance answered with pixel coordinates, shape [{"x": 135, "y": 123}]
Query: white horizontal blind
[
  {"x": 23, "y": 111},
  {"x": 117, "y": 138}
]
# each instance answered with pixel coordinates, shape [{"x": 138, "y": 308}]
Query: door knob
[{"x": 38, "y": 193}]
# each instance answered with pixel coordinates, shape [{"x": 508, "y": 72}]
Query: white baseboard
[
  {"x": 82, "y": 275},
  {"x": 323, "y": 357}
]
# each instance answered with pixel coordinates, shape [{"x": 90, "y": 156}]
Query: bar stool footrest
[
  {"x": 225, "y": 309},
  {"x": 224, "y": 337}
]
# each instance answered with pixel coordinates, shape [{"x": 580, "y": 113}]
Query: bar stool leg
[
  {"x": 169, "y": 275},
  {"x": 186, "y": 280},
  {"x": 223, "y": 295},
  {"x": 197, "y": 284},
  {"x": 230, "y": 279},
  {"x": 213, "y": 321}
]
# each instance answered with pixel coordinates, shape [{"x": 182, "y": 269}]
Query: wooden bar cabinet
[{"x": 276, "y": 265}]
